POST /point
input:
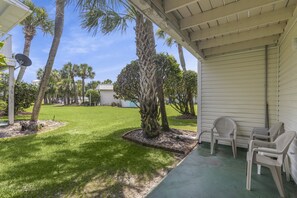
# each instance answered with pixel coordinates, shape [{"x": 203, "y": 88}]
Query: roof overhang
[
  {"x": 12, "y": 12},
  {"x": 208, "y": 28}
]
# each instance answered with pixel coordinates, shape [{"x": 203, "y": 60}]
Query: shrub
[
  {"x": 3, "y": 105},
  {"x": 24, "y": 97}
]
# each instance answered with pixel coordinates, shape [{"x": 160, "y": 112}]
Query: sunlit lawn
[{"x": 64, "y": 161}]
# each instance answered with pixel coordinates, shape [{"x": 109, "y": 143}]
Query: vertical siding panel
[
  {"x": 233, "y": 85},
  {"x": 288, "y": 92}
]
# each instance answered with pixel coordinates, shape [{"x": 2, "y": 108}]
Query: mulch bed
[
  {"x": 15, "y": 129},
  {"x": 169, "y": 141}
]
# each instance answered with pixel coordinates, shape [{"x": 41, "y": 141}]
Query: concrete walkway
[{"x": 203, "y": 175}]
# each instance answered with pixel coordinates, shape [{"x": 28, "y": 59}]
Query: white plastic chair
[
  {"x": 278, "y": 148},
  {"x": 268, "y": 134},
  {"x": 226, "y": 129}
]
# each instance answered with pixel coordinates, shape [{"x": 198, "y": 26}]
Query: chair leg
[
  {"x": 211, "y": 144},
  {"x": 249, "y": 174},
  {"x": 287, "y": 168},
  {"x": 258, "y": 169},
  {"x": 277, "y": 177},
  {"x": 233, "y": 148}
]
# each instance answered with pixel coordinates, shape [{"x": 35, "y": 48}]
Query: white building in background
[{"x": 107, "y": 97}]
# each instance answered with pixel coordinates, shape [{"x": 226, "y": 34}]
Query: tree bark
[
  {"x": 75, "y": 90},
  {"x": 181, "y": 57},
  {"x": 83, "y": 89},
  {"x": 59, "y": 23},
  {"x": 183, "y": 65},
  {"x": 26, "y": 51},
  {"x": 146, "y": 52},
  {"x": 164, "y": 120}
]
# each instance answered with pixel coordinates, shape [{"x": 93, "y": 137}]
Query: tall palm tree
[
  {"x": 109, "y": 20},
  {"x": 59, "y": 24},
  {"x": 52, "y": 87},
  {"x": 85, "y": 71},
  {"x": 71, "y": 71},
  {"x": 146, "y": 52},
  {"x": 169, "y": 41},
  {"x": 38, "y": 19}
]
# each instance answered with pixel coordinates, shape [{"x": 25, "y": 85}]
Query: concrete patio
[{"x": 218, "y": 175}]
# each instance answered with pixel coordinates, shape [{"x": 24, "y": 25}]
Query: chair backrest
[
  {"x": 276, "y": 130},
  {"x": 225, "y": 126},
  {"x": 283, "y": 141}
]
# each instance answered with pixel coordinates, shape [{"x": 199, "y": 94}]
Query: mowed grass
[{"x": 62, "y": 162}]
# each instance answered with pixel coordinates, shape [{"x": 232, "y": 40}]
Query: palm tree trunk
[
  {"x": 183, "y": 65},
  {"x": 28, "y": 40},
  {"x": 83, "y": 89},
  {"x": 146, "y": 52},
  {"x": 75, "y": 90},
  {"x": 59, "y": 23},
  {"x": 181, "y": 57},
  {"x": 164, "y": 121},
  {"x": 191, "y": 103}
]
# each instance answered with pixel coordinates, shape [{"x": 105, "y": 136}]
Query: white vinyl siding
[
  {"x": 288, "y": 92},
  {"x": 233, "y": 85}
]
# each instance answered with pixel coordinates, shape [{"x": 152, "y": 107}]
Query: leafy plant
[
  {"x": 93, "y": 96},
  {"x": 127, "y": 86},
  {"x": 24, "y": 97},
  {"x": 177, "y": 87},
  {"x": 3, "y": 105},
  {"x": 2, "y": 57}
]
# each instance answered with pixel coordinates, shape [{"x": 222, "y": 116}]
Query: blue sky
[{"x": 107, "y": 54}]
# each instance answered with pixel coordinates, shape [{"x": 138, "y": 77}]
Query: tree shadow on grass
[{"x": 67, "y": 171}]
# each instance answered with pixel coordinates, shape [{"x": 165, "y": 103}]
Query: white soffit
[
  {"x": 227, "y": 25},
  {"x": 12, "y": 12}
]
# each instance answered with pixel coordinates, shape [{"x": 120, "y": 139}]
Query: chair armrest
[
  {"x": 267, "y": 150},
  {"x": 257, "y": 143},
  {"x": 261, "y": 136}
]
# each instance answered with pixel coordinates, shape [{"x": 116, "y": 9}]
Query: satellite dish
[{"x": 23, "y": 60}]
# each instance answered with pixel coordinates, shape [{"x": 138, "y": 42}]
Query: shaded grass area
[{"x": 89, "y": 148}]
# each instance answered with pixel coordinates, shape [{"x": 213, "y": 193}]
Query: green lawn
[{"x": 89, "y": 151}]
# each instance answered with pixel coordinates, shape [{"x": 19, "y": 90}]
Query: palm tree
[
  {"x": 58, "y": 30},
  {"x": 37, "y": 20},
  {"x": 109, "y": 20},
  {"x": 169, "y": 41},
  {"x": 52, "y": 87},
  {"x": 65, "y": 83},
  {"x": 146, "y": 52},
  {"x": 71, "y": 71},
  {"x": 59, "y": 24},
  {"x": 85, "y": 71}
]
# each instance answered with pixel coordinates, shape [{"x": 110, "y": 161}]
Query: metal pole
[
  {"x": 266, "y": 89},
  {"x": 11, "y": 96}
]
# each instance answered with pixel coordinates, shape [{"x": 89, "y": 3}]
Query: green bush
[
  {"x": 3, "y": 105},
  {"x": 24, "y": 96},
  {"x": 94, "y": 96}
]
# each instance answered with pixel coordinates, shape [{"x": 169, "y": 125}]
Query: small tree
[
  {"x": 166, "y": 67},
  {"x": 127, "y": 86},
  {"x": 24, "y": 97},
  {"x": 177, "y": 87},
  {"x": 93, "y": 96}
]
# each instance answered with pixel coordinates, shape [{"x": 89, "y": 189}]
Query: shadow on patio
[{"x": 220, "y": 175}]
